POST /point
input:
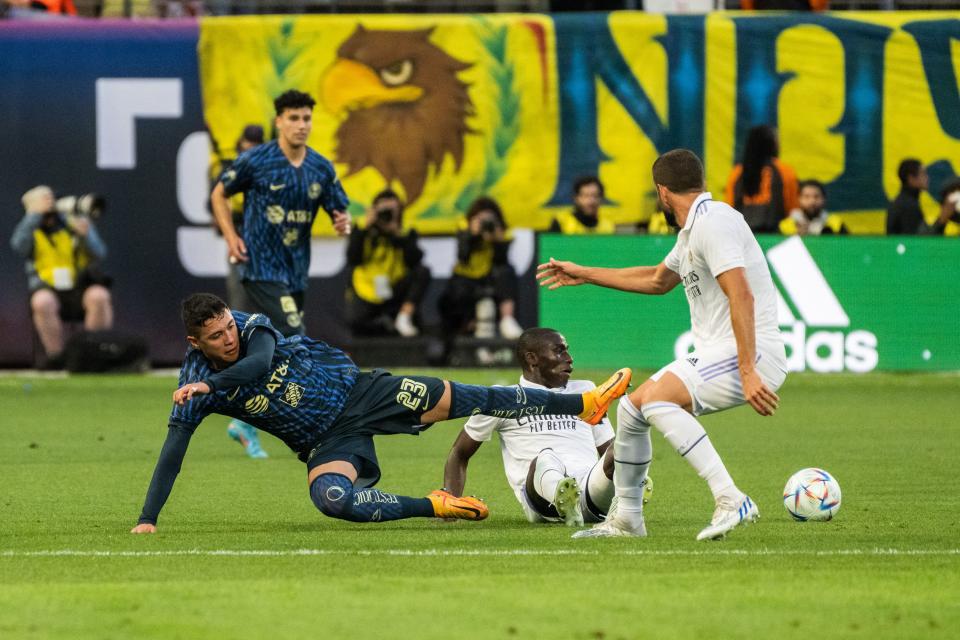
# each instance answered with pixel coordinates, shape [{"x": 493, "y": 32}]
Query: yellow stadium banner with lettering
[{"x": 444, "y": 109}]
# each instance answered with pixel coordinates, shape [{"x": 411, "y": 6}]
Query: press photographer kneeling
[
  {"x": 388, "y": 279},
  {"x": 62, "y": 248}
]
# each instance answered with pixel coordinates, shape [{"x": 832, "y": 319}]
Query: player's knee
[
  {"x": 630, "y": 419},
  {"x": 44, "y": 302},
  {"x": 646, "y": 393},
  {"x": 96, "y": 296},
  {"x": 332, "y": 494}
]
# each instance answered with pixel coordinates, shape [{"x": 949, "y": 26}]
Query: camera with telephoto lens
[
  {"x": 88, "y": 205},
  {"x": 487, "y": 225},
  {"x": 386, "y": 216}
]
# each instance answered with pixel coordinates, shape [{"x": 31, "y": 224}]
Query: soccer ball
[{"x": 812, "y": 494}]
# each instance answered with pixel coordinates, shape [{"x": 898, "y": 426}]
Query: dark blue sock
[
  {"x": 335, "y": 496},
  {"x": 511, "y": 402}
]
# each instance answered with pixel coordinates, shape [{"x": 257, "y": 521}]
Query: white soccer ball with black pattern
[{"x": 812, "y": 494}]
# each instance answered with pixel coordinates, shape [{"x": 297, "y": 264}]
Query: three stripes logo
[
  {"x": 804, "y": 283},
  {"x": 815, "y": 327},
  {"x": 832, "y": 346}
]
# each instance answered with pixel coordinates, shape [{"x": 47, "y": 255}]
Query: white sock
[
  {"x": 633, "y": 452},
  {"x": 547, "y": 474},
  {"x": 687, "y": 436},
  {"x": 599, "y": 488}
]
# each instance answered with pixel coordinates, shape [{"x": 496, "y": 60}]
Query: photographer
[
  {"x": 481, "y": 276},
  {"x": 388, "y": 279},
  {"x": 62, "y": 248}
]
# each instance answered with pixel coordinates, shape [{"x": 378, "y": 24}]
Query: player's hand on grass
[
  {"x": 183, "y": 395},
  {"x": 341, "y": 223},
  {"x": 763, "y": 400},
  {"x": 237, "y": 249},
  {"x": 558, "y": 273},
  {"x": 144, "y": 528}
]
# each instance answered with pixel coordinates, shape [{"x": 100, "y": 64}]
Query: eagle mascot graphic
[{"x": 403, "y": 108}]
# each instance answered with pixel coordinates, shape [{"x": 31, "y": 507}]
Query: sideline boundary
[{"x": 274, "y": 553}]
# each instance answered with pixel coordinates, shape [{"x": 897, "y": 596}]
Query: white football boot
[
  {"x": 729, "y": 514},
  {"x": 616, "y": 526}
]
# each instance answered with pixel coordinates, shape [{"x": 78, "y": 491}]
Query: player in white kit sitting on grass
[
  {"x": 559, "y": 467},
  {"x": 739, "y": 355}
]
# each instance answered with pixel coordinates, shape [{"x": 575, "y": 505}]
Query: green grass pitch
[{"x": 242, "y": 553}]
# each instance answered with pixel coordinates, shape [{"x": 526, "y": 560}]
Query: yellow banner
[{"x": 447, "y": 108}]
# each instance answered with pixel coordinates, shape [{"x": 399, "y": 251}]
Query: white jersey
[
  {"x": 716, "y": 239},
  {"x": 574, "y": 441}
]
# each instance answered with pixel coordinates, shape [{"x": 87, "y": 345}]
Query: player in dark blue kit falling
[
  {"x": 312, "y": 396},
  {"x": 284, "y": 183}
]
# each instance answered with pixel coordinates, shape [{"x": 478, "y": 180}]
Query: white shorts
[
  {"x": 589, "y": 510},
  {"x": 712, "y": 377}
]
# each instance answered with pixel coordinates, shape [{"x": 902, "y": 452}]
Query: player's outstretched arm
[
  {"x": 164, "y": 475},
  {"x": 455, "y": 471},
  {"x": 649, "y": 280},
  {"x": 253, "y": 365},
  {"x": 734, "y": 284},
  {"x": 220, "y": 204}
]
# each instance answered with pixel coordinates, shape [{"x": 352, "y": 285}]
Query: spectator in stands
[
  {"x": 762, "y": 187},
  {"x": 388, "y": 279},
  {"x": 950, "y": 203},
  {"x": 483, "y": 281},
  {"x": 585, "y": 217},
  {"x": 62, "y": 252},
  {"x": 810, "y": 218},
  {"x": 904, "y": 215}
]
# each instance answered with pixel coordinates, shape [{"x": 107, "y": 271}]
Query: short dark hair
[
  {"x": 679, "y": 170},
  {"x": 583, "y": 181},
  {"x": 759, "y": 150},
  {"x": 486, "y": 203},
  {"x": 292, "y": 99},
  {"x": 387, "y": 194},
  {"x": 908, "y": 168},
  {"x": 251, "y": 133},
  {"x": 197, "y": 309},
  {"x": 530, "y": 340},
  {"x": 816, "y": 184}
]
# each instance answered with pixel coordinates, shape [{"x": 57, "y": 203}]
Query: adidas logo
[
  {"x": 815, "y": 327},
  {"x": 823, "y": 350}
]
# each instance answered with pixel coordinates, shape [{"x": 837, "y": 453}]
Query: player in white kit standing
[
  {"x": 739, "y": 354},
  {"x": 559, "y": 467}
]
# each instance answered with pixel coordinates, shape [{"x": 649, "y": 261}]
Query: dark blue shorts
[{"x": 379, "y": 404}]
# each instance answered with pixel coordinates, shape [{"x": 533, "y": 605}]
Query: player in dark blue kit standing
[
  {"x": 312, "y": 396},
  {"x": 284, "y": 183}
]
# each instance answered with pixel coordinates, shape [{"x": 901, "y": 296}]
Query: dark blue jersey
[
  {"x": 279, "y": 205},
  {"x": 297, "y": 400}
]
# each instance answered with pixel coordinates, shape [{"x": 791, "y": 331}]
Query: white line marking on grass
[{"x": 273, "y": 553}]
